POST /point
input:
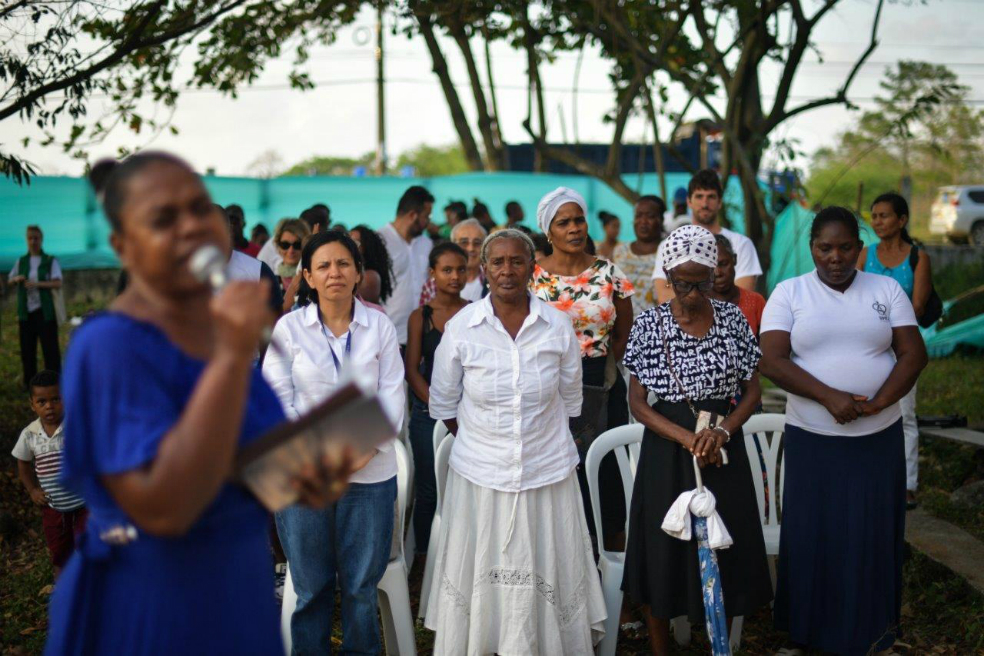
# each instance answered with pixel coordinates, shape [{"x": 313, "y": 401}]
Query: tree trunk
[
  {"x": 493, "y": 157},
  {"x": 440, "y": 67},
  {"x": 534, "y": 74},
  {"x": 496, "y": 126},
  {"x": 657, "y": 146}
]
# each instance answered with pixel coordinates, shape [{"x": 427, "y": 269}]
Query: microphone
[{"x": 208, "y": 264}]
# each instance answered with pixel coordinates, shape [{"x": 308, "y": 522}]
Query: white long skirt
[{"x": 515, "y": 573}]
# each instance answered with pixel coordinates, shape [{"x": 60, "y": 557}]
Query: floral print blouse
[{"x": 588, "y": 299}]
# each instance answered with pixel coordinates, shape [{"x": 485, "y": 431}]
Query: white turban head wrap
[
  {"x": 546, "y": 210},
  {"x": 690, "y": 243}
]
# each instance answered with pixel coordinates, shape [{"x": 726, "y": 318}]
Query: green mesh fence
[{"x": 77, "y": 233}]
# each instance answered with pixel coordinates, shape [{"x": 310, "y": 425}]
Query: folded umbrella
[{"x": 711, "y": 534}]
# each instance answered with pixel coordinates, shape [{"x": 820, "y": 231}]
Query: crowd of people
[{"x": 527, "y": 345}]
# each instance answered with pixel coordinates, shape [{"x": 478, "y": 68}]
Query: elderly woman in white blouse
[
  {"x": 348, "y": 542},
  {"x": 515, "y": 572}
]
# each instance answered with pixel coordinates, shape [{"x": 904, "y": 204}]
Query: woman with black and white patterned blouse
[{"x": 695, "y": 354}]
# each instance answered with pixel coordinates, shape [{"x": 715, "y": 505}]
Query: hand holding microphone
[
  {"x": 241, "y": 308},
  {"x": 242, "y": 317}
]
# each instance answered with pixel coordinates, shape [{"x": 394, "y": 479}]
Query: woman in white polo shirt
[
  {"x": 845, "y": 345},
  {"x": 349, "y": 541}
]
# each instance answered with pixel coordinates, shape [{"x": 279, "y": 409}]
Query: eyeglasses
[
  {"x": 287, "y": 245},
  {"x": 682, "y": 287}
]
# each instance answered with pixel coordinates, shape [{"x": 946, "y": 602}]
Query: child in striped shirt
[{"x": 38, "y": 452}]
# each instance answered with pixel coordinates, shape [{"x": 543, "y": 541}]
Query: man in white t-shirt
[
  {"x": 408, "y": 249},
  {"x": 705, "y": 196}
]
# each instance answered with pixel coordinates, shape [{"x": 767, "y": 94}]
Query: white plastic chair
[
  {"x": 769, "y": 428},
  {"x": 611, "y": 564},
  {"x": 442, "y": 454},
  {"x": 626, "y": 441},
  {"x": 440, "y": 432},
  {"x": 411, "y": 539},
  {"x": 394, "y": 593}
]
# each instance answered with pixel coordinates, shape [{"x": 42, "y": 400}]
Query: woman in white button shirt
[
  {"x": 349, "y": 541},
  {"x": 845, "y": 345},
  {"x": 515, "y": 572}
]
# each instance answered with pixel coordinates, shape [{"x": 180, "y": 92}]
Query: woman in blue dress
[{"x": 160, "y": 393}]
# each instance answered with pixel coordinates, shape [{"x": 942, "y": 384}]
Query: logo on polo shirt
[{"x": 881, "y": 309}]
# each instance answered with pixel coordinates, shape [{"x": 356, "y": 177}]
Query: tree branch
[
  {"x": 132, "y": 44},
  {"x": 496, "y": 126},
  {"x": 624, "y": 109},
  {"x": 804, "y": 27},
  {"x": 533, "y": 74},
  {"x": 778, "y": 116},
  {"x": 11, "y": 8},
  {"x": 716, "y": 57},
  {"x": 580, "y": 164}
]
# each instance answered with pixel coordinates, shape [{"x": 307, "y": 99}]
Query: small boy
[{"x": 63, "y": 512}]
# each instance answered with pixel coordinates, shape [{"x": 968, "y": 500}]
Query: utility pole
[{"x": 380, "y": 94}]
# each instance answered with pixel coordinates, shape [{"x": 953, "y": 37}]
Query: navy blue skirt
[{"x": 841, "y": 548}]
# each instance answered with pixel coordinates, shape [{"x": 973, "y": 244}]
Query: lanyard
[{"x": 348, "y": 344}]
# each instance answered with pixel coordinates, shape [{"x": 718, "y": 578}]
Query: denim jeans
[
  {"x": 425, "y": 494},
  {"x": 348, "y": 541}
]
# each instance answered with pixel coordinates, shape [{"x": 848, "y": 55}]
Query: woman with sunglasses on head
[
  {"x": 595, "y": 294},
  {"x": 695, "y": 354},
  {"x": 334, "y": 337},
  {"x": 289, "y": 237},
  {"x": 160, "y": 394}
]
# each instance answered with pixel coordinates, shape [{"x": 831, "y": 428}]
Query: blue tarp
[{"x": 76, "y": 232}]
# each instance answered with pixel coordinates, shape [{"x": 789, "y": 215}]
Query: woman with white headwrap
[
  {"x": 594, "y": 293},
  {"x": 694, "y": 354}
]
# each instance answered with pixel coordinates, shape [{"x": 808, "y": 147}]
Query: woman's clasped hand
[{"x": 706, "y": 445}]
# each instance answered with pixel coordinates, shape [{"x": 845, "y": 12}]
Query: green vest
[{"x": 44, "y": 270}]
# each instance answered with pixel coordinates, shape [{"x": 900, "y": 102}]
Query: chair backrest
[
  {"x": 621, "y": 440},
  {"x": 402, "y": 495},
  {"x": 442, "y": 455},
  {"x": 763, "y": 444},
  {"x": 440, "y": 432},
  {"x": 405, "y": 426}
]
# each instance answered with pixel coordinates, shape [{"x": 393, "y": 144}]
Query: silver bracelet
[{"x": 726, "y": 432}]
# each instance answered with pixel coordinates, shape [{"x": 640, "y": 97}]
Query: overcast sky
[{"x": 339, "y": 116}]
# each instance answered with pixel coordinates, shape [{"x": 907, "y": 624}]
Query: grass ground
[{"x": 942, "y": 614}]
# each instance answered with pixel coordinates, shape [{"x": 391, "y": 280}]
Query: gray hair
[
  {"x": 468, "y": 223},
  {"x": 507, "y": 233}
]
